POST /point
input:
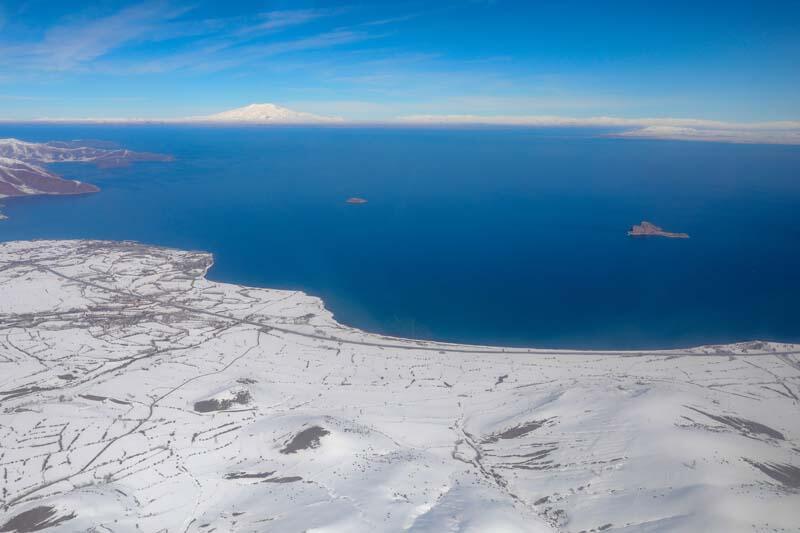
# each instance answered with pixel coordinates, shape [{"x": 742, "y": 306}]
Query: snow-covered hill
[
  {"x": 266, "y": 114},
  {"x": 21, "y": 173},
  {"x": 18, "y": 178},
  {"x": 136, "y": 395}
]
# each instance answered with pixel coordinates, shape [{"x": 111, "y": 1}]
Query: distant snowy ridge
[
  {"x": 683, "y": 129},
  {"x": 664, "y": 128},
  {"x": 75, "y": 152},
  {"x": 266, "y": 114}
]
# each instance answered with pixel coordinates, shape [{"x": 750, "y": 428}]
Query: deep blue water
[{"x": 512, "y": 237}]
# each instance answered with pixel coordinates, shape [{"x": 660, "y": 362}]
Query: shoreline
[
  {"x": 180, "y": 400},
  {"x": 478, "y": 348}
]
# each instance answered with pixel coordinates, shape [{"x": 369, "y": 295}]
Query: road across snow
[{"x": 137, "y": 395}]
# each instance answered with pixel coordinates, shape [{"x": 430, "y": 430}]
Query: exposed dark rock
[
  {"x": 748, "y": 427},
  {"x": 35, "y": 519},
  {"x": 516, "y": 431},
  {"x": 207, "y": 406},
  {"x": 306, "y": 439},
  {"x": 786, "y": 474}
]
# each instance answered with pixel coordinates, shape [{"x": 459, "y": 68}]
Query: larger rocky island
[
  {"x": 137, "y": 395},
  {"x": 648, "y": 229}
]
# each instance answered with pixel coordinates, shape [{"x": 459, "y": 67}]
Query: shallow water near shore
[{"x": 491, "y": 236}]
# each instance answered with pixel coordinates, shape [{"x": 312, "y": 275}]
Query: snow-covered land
[
  {"x": 21, "y": 173},
  {"x": 73, "y": 152},
  {"x": 18, "y": 178},
  {"x": 135, "y": 395},
  {"x": 266, "y": 114}
]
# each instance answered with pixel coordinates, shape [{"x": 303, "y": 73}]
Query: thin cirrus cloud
[
  {"x": 215, "y": 56},
  {"x": 69, "y": 45},
  {"x": 275, "y": 20},
  {"x": 92, "y": 44}
]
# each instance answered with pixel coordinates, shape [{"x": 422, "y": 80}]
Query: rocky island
[
  {"x": 356, "y": 200},
  {"x": 137, "y": 395},
  {"x": 647, "y": 229}
]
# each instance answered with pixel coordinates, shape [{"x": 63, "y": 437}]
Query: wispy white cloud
[
  {"x": 274, "y": 20},
  {"x": 218, "y": 55},
  {"x": 81, "y": 40},
  {"x": 86, "y": 43}
]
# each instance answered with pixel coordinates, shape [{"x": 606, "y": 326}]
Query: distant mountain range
[
  {"x": 665, "y": 128},
  {"x": 21, "y": 173}
]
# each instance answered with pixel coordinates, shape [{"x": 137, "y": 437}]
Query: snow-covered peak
[{"x": 267, "y": 113}]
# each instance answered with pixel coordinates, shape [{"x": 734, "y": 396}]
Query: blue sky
[{"x": 732, "y": 61}]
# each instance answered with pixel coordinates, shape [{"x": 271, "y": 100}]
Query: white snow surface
[
  {"x": 265, "y": 114},
  {"x": 54, "y": 152},
  {"x": 136, "y": 395},
  {"x": 70, "y": 152}
]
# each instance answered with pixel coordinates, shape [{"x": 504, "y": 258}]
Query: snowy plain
[{"x": 136, "y": 395}]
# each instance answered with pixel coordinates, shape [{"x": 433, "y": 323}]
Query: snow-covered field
[{"x": 135, "y": 395}]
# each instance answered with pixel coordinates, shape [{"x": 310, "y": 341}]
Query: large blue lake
[{"x": 514, "y": 237}]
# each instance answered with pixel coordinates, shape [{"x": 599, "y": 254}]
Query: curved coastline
[
  {"x": 244, "y": 404},
  {"x": 489, "y": 347}
]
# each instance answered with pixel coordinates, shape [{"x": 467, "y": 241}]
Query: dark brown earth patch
[
  {"x": 747, "y": 427},
  {"x": 306, "y": 439},
  {"x": 249, "y": 475},
  {"x": 35, "y": 519},
  {"x": 266, "y": 477},
  {"x": 121, "y": 402},
  {"x": 517, "y": 431},
  {"x": 92, "y": 397},
  {"x": 786, "y": 474},
  {"x": 288, "y": 479},
  {"x": 207, "y": 406}
]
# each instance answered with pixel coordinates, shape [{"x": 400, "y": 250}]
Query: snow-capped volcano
[{"x": 267, "y": 113}]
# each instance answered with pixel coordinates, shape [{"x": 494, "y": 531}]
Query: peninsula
[
  {"x": 22, "y": 172},
  {"x": 135, "y": 394},
  {"x": 647, "y": 229}
]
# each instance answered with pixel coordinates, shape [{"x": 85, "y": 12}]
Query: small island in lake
[
  {"x": 648, "y": 229},
  {"x": 356, "y": 200}
]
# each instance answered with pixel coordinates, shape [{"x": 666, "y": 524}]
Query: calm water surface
[{"x": 512, "y": 237}]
